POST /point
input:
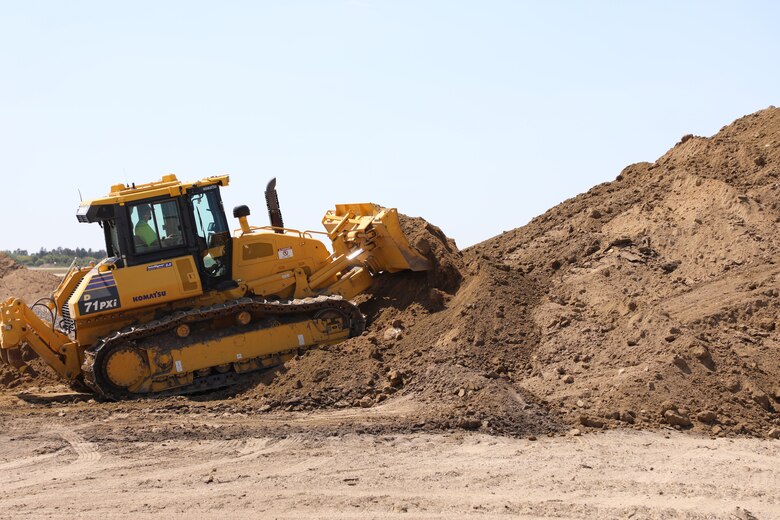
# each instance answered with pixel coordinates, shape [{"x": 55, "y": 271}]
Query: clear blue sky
[{"x": 475, "y": 115}]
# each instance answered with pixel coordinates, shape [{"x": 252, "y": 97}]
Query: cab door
[{"x": 212, "y": 236}]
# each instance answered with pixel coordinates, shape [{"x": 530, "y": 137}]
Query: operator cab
[{"x": 166, "y": 220}]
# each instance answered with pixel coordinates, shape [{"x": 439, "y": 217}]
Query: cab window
[{"x": 155, "y": 226}]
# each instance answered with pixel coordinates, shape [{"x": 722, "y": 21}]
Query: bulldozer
[{"x": 182, "y": 304}]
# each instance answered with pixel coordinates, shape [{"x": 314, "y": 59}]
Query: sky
[{"x": 477, "y": 115}]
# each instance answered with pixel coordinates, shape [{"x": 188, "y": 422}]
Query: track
[{"x": 289, "y": 311}]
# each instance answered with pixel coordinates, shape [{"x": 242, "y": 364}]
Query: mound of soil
[
  {"x": 426, "y": 340},
  {"x": 7, "y": 265},
  {"x": 659, "y": 291},
  {"x": 29, "y": 285},
  {"x": 648, "y": 301}
]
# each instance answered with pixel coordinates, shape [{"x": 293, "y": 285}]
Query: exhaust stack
[{"x": 272, "y": 201}]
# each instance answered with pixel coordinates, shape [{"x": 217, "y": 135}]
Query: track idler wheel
[
  {"x": 334, "y": 319},
  {"x": 119, "y": 370}
]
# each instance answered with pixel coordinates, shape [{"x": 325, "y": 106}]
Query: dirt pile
[
  {"x": 426, "y": 345},
  {"x": 7, "y": 265},
  {"x": 651, "y": 300},
  {"x": 659, "y": 290},
  {"x": 29, "y": 285}
]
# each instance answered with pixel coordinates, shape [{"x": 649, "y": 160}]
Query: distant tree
[{"x": 59, "y": 256}]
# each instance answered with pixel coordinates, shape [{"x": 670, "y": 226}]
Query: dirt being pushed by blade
[
  {"x": 446, "y": 342},
  {"x": 30, "y": 286}
]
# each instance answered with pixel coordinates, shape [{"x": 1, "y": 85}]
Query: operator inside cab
[
  {"x": 172, "y": 229},
  {"x": 143, "y": 230}
]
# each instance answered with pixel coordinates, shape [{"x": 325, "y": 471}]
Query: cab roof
[{"x": 98, "y": 209}]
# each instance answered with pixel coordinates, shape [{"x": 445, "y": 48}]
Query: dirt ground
[{"x": 64, "y": 460}]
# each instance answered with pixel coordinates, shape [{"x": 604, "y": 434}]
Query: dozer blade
[{"x": 372, "y": 228}]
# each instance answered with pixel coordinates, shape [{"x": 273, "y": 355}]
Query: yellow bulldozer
[{"x": 181, "y": 304}]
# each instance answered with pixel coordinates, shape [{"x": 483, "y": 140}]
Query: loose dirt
[
  {"x": 29, "y": 285},
  {"x": 426, "y": 340},
  {"x": 648, "y": 302}
]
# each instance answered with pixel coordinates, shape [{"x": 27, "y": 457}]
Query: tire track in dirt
[
  {"x": 37, "y": 470},
  {"x": 87, "y": 452}
]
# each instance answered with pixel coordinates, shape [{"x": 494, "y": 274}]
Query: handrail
[{"x": 301, "y": 234}]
